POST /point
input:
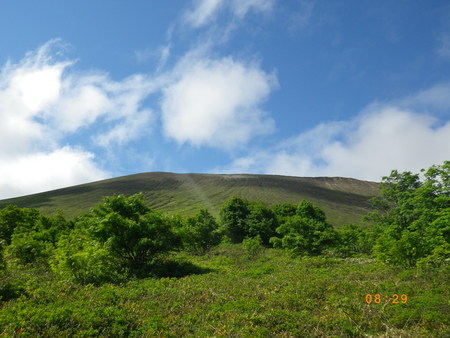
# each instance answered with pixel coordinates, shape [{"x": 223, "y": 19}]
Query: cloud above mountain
[
  {"x": 381, "y": 138},
  {"x": 216, "y": 102}
]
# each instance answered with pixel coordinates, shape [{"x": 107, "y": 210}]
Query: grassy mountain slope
[{"x": 344, "y": 200}]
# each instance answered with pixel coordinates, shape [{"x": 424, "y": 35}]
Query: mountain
[{"x": 344, "y": 200}]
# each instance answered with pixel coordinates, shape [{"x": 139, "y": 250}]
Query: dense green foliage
[
  {"x": 413, "y": 216},
  {"x": 307, "y": 232},
  {"x": 116, "y": 270},
  {"x": 272, "y": 295},
  {"x": 201, "y": 232},
  {"x": 130, "y": 231},
  {"x": 233, "y": 216},
  {"x": 12, "y": 217}
]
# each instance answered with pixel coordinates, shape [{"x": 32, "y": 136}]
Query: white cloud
[
  {"x": 41, "y": 171},
  {"x": 162, "y": 54},
  {"x": 382, "y": 138},
  {"x": 42, "y": 100},
  {"x": 206, "y": 11},
  {"x": 436, "y": 98},
  {"x": 132, "y": 127},
  {"x": 241, "y": 7},
  {"x": 86, "y": 98},
  {"x": 216, "y": 102}
]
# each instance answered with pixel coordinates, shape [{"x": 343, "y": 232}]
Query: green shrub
[
  {"x": 12, "y": 217},
  {"x": 252, "y": 246},
  {"x": 2, "y": 258},
  {"x": 353, "y": 240},
  {"x": 27, "y": 247},
  {"x": 10, "y": 290},
  {"x": 438, "y": 258},
  {"x": 413, "y": 215},
  {"x": 201, "y": 232},
  {"x": 85, "y": 261},
  {"x": 304, "y": 236},
  {"x": 131, "y": 232},
  {"x": 233, "y": 217},
  {"x": 262, "y": 223}
]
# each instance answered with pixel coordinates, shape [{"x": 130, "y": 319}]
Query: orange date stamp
[{"x": 393, "y": 299}]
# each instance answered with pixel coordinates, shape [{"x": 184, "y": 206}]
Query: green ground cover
[
  {"x": 229, "y": 293},
  {"x": 257, "y": 270}
]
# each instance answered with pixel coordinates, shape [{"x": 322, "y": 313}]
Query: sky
[{"x": 91, "y": 90}]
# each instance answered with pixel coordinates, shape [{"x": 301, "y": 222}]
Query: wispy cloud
[
  {"x": 216, "y": 102},
  {"x": 159, "y": 56},
  {"x": 240, "y": 8},
  {"x": 383, "y": 137},
  {"x": 205, "y": 11},
  {"x": 444, "y": 46},
  {"x": 436, "y": 98},
  {"x": 301, "y": 18}
]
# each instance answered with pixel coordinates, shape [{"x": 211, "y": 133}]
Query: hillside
[{"x": 344, "y": 200}]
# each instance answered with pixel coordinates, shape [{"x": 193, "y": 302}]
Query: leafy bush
[
  {"x": 2, "y": 258},
  {"x": 242, "y": 219},
  {"x": 12, "y": 217},
  {"x": 306, "y": 209},
  {"x": 438, "y": 258},
  {"x": 252, "y": 246},
  {"x": 132, "y": 232},
  {"x": 27, "y": 247},
  {"x": 233, "y": 217},
  {"x": 353, "y": 240},
  {"x": 261, "y": 222},
  {"x": 85, "y": 260},
  {"x": 201, "y": 232},
  {"x": 306, "y": 232},
  {"x": 284, "y": 209},
  {"x": 413, "y": 215}
]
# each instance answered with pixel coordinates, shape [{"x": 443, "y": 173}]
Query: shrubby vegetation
[
  {"x": 413, "y": 217},
  {"x": 51, "y": 267},
  {"x": 201, "y": 232}
]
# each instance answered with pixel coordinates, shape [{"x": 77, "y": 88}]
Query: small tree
[
  {"x": 201, "y": 232},
  {"x": 306, "y": 209},
  {"x": 413, "y": 215},
  {"x": 306, "y": 233},
  {"x": 12, "y": 217},
  {"x": 303, "y": 236},
  {"x": 353, "y": 240},
  {"x": 284, "y": 209},
  {"x": 85, "y": 260},
  {"x": 27, "y": 247},
  {"x": 252, "y": 247},
  {"x": 261, "y": 222},
  {"x": 233, "y": 216},
  {"x": 131, "y": 231}
]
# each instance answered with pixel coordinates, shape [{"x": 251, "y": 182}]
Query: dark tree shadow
[{"x": 171, "y": 269}]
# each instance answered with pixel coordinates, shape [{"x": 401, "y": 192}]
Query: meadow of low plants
[
  {"x": 126, "y": 270},
  {"x": 229, "y": 293}
]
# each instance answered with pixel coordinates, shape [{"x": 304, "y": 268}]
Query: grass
[
  {"x": 344, "y": 200},
  {"x": 227, "y": 293}
]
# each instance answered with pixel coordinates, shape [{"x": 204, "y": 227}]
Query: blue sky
[{"x": 92, "y": 90}]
